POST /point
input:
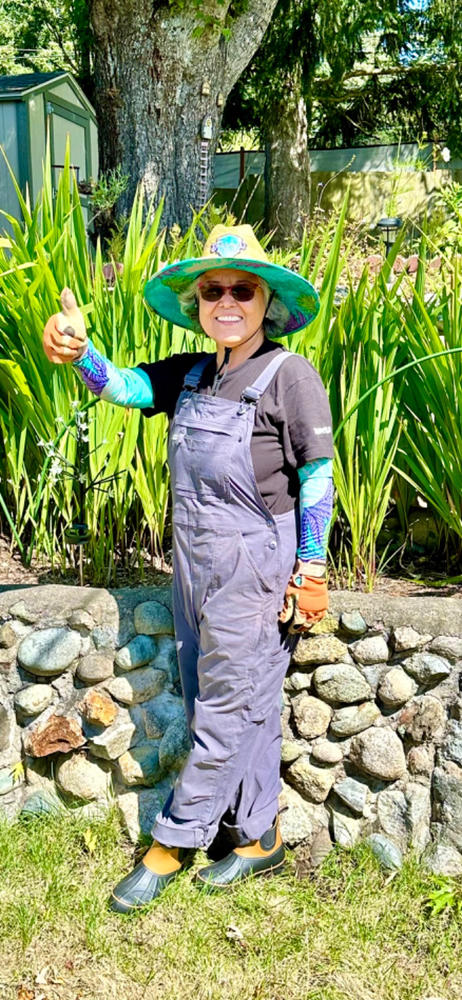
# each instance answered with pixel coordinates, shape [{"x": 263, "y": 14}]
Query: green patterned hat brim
[{"x": 296, "y": 293}]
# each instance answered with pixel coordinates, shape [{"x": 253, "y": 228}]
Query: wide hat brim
[{"x": 296, "y": 293}]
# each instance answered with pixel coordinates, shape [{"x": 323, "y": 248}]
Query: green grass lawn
[{"x": 351, "y": 933}]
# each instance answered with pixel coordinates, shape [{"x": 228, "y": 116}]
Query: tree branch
[{"x": 247, "y": 32}]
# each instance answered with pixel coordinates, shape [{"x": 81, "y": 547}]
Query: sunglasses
[{"x": 241, "y": 292}]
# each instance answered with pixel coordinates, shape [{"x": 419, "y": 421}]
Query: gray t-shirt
[{"x": 293, "y": 424}]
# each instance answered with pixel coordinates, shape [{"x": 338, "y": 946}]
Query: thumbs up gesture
[{"x": 65, "y": 337}]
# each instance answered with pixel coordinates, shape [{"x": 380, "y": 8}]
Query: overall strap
[
  {"x": 253, "y": 392},
  {"x": 192, "y": 379}
]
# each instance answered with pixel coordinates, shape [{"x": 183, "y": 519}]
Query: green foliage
[
  {"x": 45, "y": 35},
  {"x": 370, "y": 70},
  {"x": 108, "y": 189},
  {"x": 447, "y": 896},
  {"x": 390, "y": 356},
  {"x": 125, "y": 487}
]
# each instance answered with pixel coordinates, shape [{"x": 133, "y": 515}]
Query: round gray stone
[
  {"x": 443, "y": 859},
  {"x": 427, "y": 668},
  {"x": 293, "y": 749},
  {"x": 33, "y": 699},
  {"x": 152, "y": 618},
  {"x": 49, "y": 651},
  {"x": 312, "y": 716},
  {"x": 82, "y": 780},
  {"x": 314, "y": 783},
  {"x": 352, "y": 793},
  {"x": 387, "y": 853},
  {"x": 327, "y": 752},
  {"x": 392, "y": 816},
  {"x": 41, "y": 803},
  {"x": 447, "y": 646},
  {"x": 95, "y": 667},
  {"x": 116, "y": 739},
  {"x": 139, "y": 651},
  {"x": 406, "y": 639},
  {"x": 354, "y": 718},
  {"x": 140, "y": 765},
  {"x": 104, "y": 637},
  {"x": 320, "y": 649},
  {"x": 379, "y": 752},
  {"x": 137, "y": 686},
  {"x": 372, "y": 649},
  {"x": 298, "y": 681},
  {"x": 452, "y": 746},
  {"x": 346, "y": 829},
  {"x": 396, "y": 688},
  {"x": 160, "y": 712},
  {"x": 340, "y": 682},
  {"x": 353, "y": 623}
]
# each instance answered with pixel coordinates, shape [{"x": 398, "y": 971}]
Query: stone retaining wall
[{"x": 91, "y": 710}]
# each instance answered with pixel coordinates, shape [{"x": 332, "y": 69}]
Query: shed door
[{"x": 64, "y": 124}]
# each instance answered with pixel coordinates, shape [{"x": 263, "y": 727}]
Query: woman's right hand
[{"x": 65, "y": 337}]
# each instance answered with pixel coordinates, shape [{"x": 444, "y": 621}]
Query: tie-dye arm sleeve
[
  {"x": 122, "y": 386},
  {"x": 316, "y": 494}
]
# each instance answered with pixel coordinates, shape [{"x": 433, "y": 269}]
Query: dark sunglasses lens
[
  {"x": 212, "y": 293},
  {"x": 243, "y": 293}
]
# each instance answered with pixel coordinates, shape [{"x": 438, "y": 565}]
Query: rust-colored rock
[
  {"x": 58, "y": 734},
  {"x": 98, "y": 708}
]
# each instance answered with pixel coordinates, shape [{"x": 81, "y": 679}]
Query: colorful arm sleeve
[
  {"x": 122, "y": 386},
  {"x": 316, "y": 493}
]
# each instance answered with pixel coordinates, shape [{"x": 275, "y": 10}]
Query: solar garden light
[{"x": 389, "y": 227}]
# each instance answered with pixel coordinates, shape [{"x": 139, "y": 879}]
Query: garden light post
[{"x": 389, "y": 227}]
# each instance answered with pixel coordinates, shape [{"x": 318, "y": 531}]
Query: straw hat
[{"x": 232, "y": 247}]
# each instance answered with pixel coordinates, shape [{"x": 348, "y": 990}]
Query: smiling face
[{"x": 229, "y": 322}]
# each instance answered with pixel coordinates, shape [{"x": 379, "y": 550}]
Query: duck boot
[
  {"x": 159, "y": 866},
  {"x": 259, "y": 857}
]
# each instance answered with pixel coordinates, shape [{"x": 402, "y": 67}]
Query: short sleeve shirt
[{"x": 293, "y": 423}]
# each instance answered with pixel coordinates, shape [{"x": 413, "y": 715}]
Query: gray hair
[{"x": 274, "y": 321}]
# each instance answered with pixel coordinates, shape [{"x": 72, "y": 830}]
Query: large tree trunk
[
  {"x": 152, "y": 64},
  {"x": 288, "y": 183}
]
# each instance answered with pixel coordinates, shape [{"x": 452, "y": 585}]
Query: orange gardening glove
[
  {"x": 64, "y": 336},
  {"x": 305, "y": 603}
]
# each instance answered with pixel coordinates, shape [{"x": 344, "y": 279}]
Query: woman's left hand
[{"x": 306, "y": 598}]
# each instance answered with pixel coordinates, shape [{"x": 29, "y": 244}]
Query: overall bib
[{"x": 232, "y": 560}]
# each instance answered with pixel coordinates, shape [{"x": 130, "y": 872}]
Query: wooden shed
[{"x": 34, "y": 106}]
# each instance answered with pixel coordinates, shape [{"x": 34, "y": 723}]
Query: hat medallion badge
[{"x": 228, "y": 246}]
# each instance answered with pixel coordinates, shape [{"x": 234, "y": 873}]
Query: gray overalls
[{"x": 232, "y": 562}]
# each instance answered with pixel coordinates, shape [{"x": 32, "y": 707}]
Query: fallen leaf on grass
[
  {"x": 90, "y": 840},
  {"x": 48, "y": 977},
  {"x": 25, "y": 994}
]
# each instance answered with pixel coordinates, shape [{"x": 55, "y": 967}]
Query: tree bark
[
  {"x": 152, "y": 62},
  {"x": 288, "y": 180}
]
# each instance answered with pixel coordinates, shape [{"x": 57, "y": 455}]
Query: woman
[{"x": 250, "y": 455}]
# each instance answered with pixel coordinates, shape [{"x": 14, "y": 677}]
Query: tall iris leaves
[
  {"x": 396, "y": 412},
  {"x": 127, "y": 481}
]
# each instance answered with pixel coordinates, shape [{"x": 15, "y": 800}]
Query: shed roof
[{"x": 16, "y": 86}]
